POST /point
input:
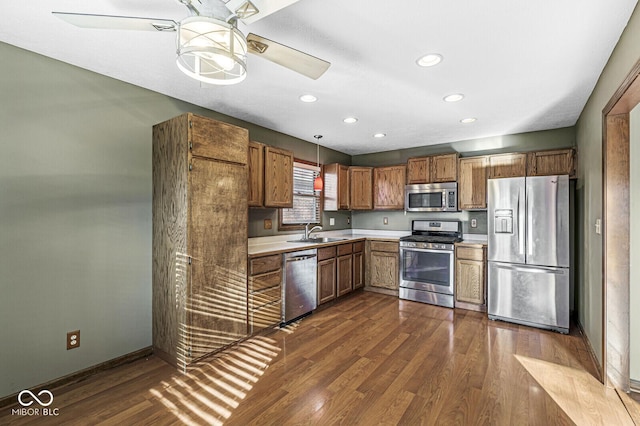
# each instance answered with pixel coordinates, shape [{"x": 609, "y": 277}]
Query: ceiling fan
[{"x": 210, "y": 48}]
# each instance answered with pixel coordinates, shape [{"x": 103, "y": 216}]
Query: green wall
[
  {"x": 75, "y": 214},
  {"x": 520, "y": 142},
  {"x": 589, "y": 188}
]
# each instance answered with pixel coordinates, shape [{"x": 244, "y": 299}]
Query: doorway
[{"x": 616, "y": 231}]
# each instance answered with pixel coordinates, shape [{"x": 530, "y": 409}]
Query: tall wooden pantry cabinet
[{"x": 200, "y": 221}]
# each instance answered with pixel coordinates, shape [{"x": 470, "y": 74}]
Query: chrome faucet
[{"x": 307, "y": 231}]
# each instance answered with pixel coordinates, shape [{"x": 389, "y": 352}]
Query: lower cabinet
[
  {"x": 340, "y": 270},
  {"x": 326, "y": 274},
  {"x": 264, "y": 292},
  {"x": 383, "y": 265},
  {"x": 358, "y": 265},
  {"x": 471, "y": 276}
]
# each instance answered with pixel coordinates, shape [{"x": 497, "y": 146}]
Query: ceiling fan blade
[
  {"x": 263, "y": 7},
  {"x": 286, "y": 56},
  {"x": 111, "y": 22}
]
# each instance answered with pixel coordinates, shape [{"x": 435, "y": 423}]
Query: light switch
[
  {"x": 385, "y": 220},
  {"x": 332, "y": 221},
  {"x": 598, "y": 228}
]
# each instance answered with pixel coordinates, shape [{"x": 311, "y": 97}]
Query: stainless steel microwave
[{"x": 431, "y": 197}]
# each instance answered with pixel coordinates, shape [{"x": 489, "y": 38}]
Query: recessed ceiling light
[
  {"x": 308, "y": 98},
  {"x": 379, "y": 135},
  {"x": 455, "y": 97},
  {"x": 429, "y": 60},
  {"x": 468, "y": 120},
  {"x": 350, "y": 120}
]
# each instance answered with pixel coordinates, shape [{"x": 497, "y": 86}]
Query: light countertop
[{"x": 282, "y": 243}]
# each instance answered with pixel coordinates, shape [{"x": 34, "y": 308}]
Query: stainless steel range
[{"x": 427, "y": 261}]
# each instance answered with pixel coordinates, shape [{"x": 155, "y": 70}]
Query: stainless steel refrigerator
[{"x": 528, "y": 251}]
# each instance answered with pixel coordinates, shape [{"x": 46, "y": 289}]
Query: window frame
[{"x": 320, "y": 196}]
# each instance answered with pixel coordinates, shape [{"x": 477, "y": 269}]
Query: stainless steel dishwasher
[{"x": 299, "y": 293}]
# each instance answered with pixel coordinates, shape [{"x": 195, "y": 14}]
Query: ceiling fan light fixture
[{"x": 211, "y": 51}]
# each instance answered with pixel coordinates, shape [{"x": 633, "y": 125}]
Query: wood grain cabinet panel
[
  {"x": 344, "y": 274},
  {"x": 382, "y": 265},
  {"x": 336, "y": 187},
  {"x": 278, "y": 177},
  {"x": 255, "y": 193},
  {"x": 264, "y": 292},
  {"x": 388, "y": 187},
  {"x": 553, "y": 162},
  {"x": 444, "y": 168},
  {"x": 472, "y": 183},
  {"x": 471, "y": 280},
  {"x": 361, "y": 195},
  {"x": 358, "y": 265},
  {"x": 199, "y": 181},
  {"x": 326, "y": 280},
  {"x": 507, "y": 165},
  {"x": 419, "y": 170}
]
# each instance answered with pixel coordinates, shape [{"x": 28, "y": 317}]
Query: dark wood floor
[{"x": 369, "y": 359}]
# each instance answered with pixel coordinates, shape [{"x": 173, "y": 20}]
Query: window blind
[{"x": 306, "y": 201}]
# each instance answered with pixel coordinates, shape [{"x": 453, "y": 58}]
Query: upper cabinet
[
  {"x": 507, "y": 165},
  {"x": 419, "y": 170},
  {"x": 336, "y": 187},
  {"x": 361, "y": 192},
  {"x": 435, "y": 168},
  {"x": 256, "y": 174},
  {"x": 270, "y": 176},
  {"x": 554, "y": 162},
  {"x": 444, "y": 168},
  {"x": 472, "y": 183},
  {"x": 388, "y": 185}
]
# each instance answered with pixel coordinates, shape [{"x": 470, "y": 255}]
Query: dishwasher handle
[{"x": 302, "y": 257}]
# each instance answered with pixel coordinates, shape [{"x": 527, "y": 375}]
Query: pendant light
[{"x": 317, "y": 182}]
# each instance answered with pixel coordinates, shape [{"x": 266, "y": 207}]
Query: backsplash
[{"x": 401, "y": 221}]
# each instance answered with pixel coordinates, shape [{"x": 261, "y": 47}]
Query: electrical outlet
[
  {"x": 268, "y": 224},
  {"x": 332, "y": 221},
  {"x": 73, "y": 339},
  {"x": 474, "y": 223},
  {"x": 598, "y": 227}
]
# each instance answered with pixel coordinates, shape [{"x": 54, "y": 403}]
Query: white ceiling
[{"x": 522, "y": 65}]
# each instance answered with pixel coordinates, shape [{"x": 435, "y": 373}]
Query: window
[{"x": 306, "y": 201}]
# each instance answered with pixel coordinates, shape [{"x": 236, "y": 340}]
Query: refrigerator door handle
[
  {"x": 529, "y": 206},
  {"x": 521, "y": 218},
  {"x": 536, "y": 269}
]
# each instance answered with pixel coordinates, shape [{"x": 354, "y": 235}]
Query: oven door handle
[{"x": 403, "y": 249}]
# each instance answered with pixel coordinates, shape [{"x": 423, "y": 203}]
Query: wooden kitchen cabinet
[
  {"x": 382, "y": 265},
  {"x": 358, "y": 265},
  {"x": 255, "y": 193},
  {"x": 388, "y": 187},
  {"x": 336, "y": 187},
  {"x": 344, "y": 269},
  {"x": 419, "y": 170},
  {"x": 326, "y": 274},
  {"x": 361, "y": 195},
  {"x": 444, "y": 168},
  {"x": 264, "y": 292},
  {"x": 471, "y": 276},
  {"x": 199, "y": 181},
  {"x": 472, "y": 183},
  {"x": 552, "y": 162},
  {"x": 507, "y": 165},
  {"x": 278, "y": 177}
]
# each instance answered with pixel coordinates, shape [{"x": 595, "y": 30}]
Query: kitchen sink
[{"x": 317, "y": 240}]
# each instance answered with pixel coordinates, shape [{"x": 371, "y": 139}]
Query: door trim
[{"x": 615, "y": 231}]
